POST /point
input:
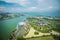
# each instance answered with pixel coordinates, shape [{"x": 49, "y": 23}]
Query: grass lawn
[
  {"x": 31, "y": 33},
  {"x": 42, "y": 38}
]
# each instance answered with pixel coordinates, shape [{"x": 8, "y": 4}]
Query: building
[
  {"x": 20, "y": 24},
  {"x": 22, "y": 28}
]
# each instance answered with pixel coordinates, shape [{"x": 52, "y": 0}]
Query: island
[{"x": 7, "y": 15}]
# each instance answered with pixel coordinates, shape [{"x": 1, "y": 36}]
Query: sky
[{"x": 32, "y": 5}]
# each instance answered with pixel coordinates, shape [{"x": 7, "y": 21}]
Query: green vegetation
[
  {"x": 21, "y": 39},
  {"x": 45, "y": 25},
  {"x": 36, "y": 33},
  {"x": 5, "y": 16},
  {"x": 41, "y": 38},
  {"x": 49, "y": 29},
  {"x": 57, "y": 25},
  {"x": 40, "y": 24}
]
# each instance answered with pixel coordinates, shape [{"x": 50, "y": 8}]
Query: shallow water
[{"x": 6, "y": 26}]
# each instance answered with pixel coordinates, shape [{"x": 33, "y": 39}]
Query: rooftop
[{"x": 22, "y": 23}]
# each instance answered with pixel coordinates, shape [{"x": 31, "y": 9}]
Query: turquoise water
[
  {"x": 6, "y": 26},
  {"x": 57, "y": 14}
]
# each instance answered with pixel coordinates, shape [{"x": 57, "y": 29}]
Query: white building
[{"x": 20, "y": 24}]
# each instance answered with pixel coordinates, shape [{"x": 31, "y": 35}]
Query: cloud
[
  {"x": 40, "y": 0},
  {"x": 35, "y": 2},
  {"x": 21, "y": 2},
  {"x": 32, "y": 8},
  {"x": 6, "y": 9},
  {"x": 29, "y": 9},
  {"x": 50, "y": 7},
  {"x": 33, "y": 5}
]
